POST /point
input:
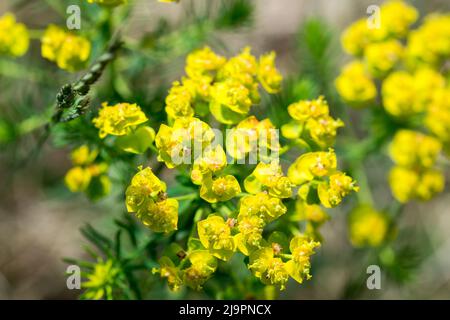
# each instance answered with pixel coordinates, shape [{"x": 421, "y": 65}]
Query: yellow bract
[
  {"x": 101, "y": 281},
  {"x": 70, "y": 52},
  {"x": 311, "y": 165},
  {"x": 338, "y": 186},
  {"x": 268, "y": 75},
  {"x": 178, "y": 102},
  {"x": 269, "y": 176},
  {"x": 219, "y": 189},
  {"x": 263, "y": 206},
  {"x": 14, "y": 37},
  {"x": 203, "y": 62},
  {"x": 215, "y": 235}
]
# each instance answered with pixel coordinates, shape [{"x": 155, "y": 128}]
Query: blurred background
[{"x": 40, "y": 218}]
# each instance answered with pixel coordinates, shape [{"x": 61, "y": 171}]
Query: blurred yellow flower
[
  {"x": 178, "y": 102},
  {"x": 14, "y": 37},
  {"x": 203, "y": 265},
  {"x": 383, "y": 57},
  {"x": 367, "y": 226},
  {"x": 77, "y": 179},
  {"x": 202, "y": 63},
  {"x": 268, "y": 74},
  {"x": 101, "y": 281}
]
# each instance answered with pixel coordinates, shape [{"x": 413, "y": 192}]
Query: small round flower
[
  {"x": 302, "y": 248},
  {"x": 399, "y": 94},
  {"x": 212, "y": 161},
  {"x": 307, "y": 109},
  {"x": 77, "y": 179},
  {"x": 338, "y": 186},
  {"x": 14, "y": 37},
  {"x": 411, "y": 148},
  {"x": 263, "y": 206},
  {"x": 367, "y": 226},
  {"x": 311, "y": 165},
  {"x": 250, "y": 233},
  {"x": 203, "y": 62},
  {"x": 356, "y": 37},
  {"x": 178, "y": 102},
  {"x": 270, "y": 270},
  {"x": 215, "y": 235},
  {"x": 170, "y": 272},
  {"x": 395, "y": 24},
  {"x": 101, "y": 281},
  {"x": 355, "y": 86},
  {"x": 203, "y": 265},
  {"x": 382, "y": 57},
  {"x": 83, "y": 155},
  {"x": 219, "y": 189},
  {"x": 268, "y": 74},
  {"x": 269, "y": 176},
  {"x": 437, "y": 119},
  {"x": 118, "y": 120},
  {"x": 160, "y": 216}
]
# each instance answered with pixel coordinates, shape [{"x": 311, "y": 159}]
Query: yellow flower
[
  {"x": 215, "y": 235},
  {"x": 355, "y": 86},
  {"x": 302, "y": 248},
  {"x": 270, "y": 270},
  {"x": 395, "y": 24},
  {"x": 399, "y": 94},
  {"x": 219, "y": 189},
  {"x": 212, "y": 161},
  {"x": 250, "y": 233},
  {"x": 323, "y": 130},
  {"x": 261, "y": 205},
  {"x": 203, "y": 265},
  {"x": 269, "y": 176},
  {"x": 146, "y": 197},
  {"x": 77, "y": 179},
  {"x": 307, "y": 109},
  {"x": 118, "y": 120},
  {"x": 412, "y": 148},
  {"x": 382, "y": 57},
  {"x": 70, "y": 52},
  {"x": 168, "y": 270},
  {"x": 203, "y": 62},
  {"x": 83, "y": 156},
  {"x": 109, "y": 3},
  {"x": 183, "y": 142},
  {"x": 230, "y": 101},
  {"x": 101, "y": 281},
  {"x": 427, "y": 82},
  {"x": 437, "y": 119},
  {"x": 178, "y": 102},
  {"x": 338, "y": 186},
  {"x": 367, "y": 226},
  {"x": 430, "y": 43},
  {"x": 311, "y": 165},
  {"x": 268, "y": 74},
  {"x": 356, "y": 37},
  {"x": 309, "y": 212},
  {"x": 14, "y": 38},
  {"x": 409, "y": 184}
]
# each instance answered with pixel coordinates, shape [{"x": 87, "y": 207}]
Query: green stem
[{"x": 188, "y": 196}]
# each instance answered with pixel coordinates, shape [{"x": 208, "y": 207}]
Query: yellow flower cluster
[
  {"x": 101, "y": 280},
  {"x": 124, "y": 121},
  {"x": 14, "y": 38},
  {"x": 312, "y": 123},
  {"x": 367, "y": 227},
  {"x": 146, "y": 196},
  {"x": 229, "y": 88},
  {"x": 70, "y": 52},
  {"x": 87, "y": 175},
  {"x": 415, "y": 175}
]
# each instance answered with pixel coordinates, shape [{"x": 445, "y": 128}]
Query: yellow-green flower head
[
  {"x": 261, "y": 205},
  {"x": 146, "y": 197},
  {"x": 302, "y": 248},
  {"x": 268, "y": 74},
  {"x": 437, "y": 119},
  {"x": 338, "y": 186},
  {"x": 355, "y": 38},
  {"x": 397, "y": 17},
  {"x": 311, "y": 165},
  {"x": 411, "y": 148},
  {"x": 215, "y": 235},
  {"x": 70, "y": 52},
  {"x": 77, "y": 179},
  {"x": 83, "y": 155},
  {"x": 382, "y": 57},
  {"x": 101, "y": 281},
  {"x": 144, "y": 187},
  {"x": 203, "y": 62},
  {"x": 230, "y": 101},
  {"x": 170, "y": 272},
  {"x": 307, "y": 109},
  {"x": 14, "y": 38},
  {"x": 181, "y": 142},
  {"x": 178, "y": 102},
  {"x": 108, "y": 3},
  {"x": 212, "y": 161},
  {"x": 118, "y": 120},
  {"x": 430, "y": 44},
  {"x": 323, "y": 130},
  {"x": 367, "y": 226},
  {"x": 408, "y": 184},
  {"x": 203, "y": 265},
  {"x": 198, "y": 87},
  {"x": 355, "y": 86},
  {"x": 219, "y": 189},
  {"x": 427, "y": 84},
  {"x": 309, "y": 212},
  {"x": 399, "y": 94},
  {"x": 269, "y": 176},
  {"x": 250, "y": 233},
  {"x": 267, "y": 268}
]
